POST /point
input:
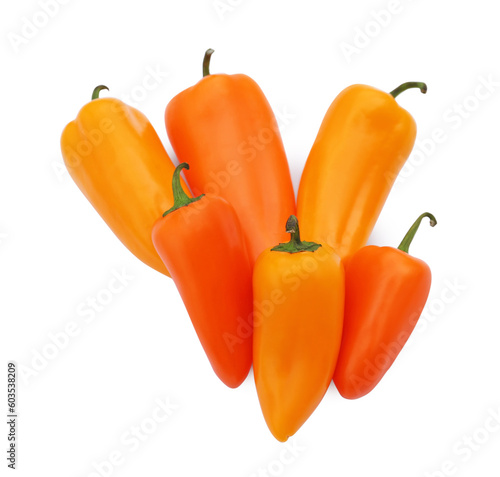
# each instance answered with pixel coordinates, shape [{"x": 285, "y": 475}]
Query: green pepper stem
[
  {"x": 206, "y": 62},
  {"x": 295, "y": 245},
  {"x": 181, "y": 199},
  {"x": 405, "y": 243},
  {"x": 292, "y": 228},
  {"x": 97, "y": 90},
  {"x": 411, "y": 84}
]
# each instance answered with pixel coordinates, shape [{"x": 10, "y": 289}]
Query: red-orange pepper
[
  {"x": 225, "y": 129},
  {"x": 386, "y": 290},
  {"x": 202, "y": 245}
]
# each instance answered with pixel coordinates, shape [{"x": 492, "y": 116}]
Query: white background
[{"x": 80, "y": 404}]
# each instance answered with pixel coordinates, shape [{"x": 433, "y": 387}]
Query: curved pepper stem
[
  {"x": 411, "y": 84},
  {"x": 97, "y": 90},
  {"x": 206, "y": 62},
  {"x": 405, "y": 243},
  {"x": 181, "y": 199},
  {"x": 295, "y": 245}
]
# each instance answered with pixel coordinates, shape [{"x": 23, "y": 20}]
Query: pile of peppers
[{"x": 291, "y": 289}]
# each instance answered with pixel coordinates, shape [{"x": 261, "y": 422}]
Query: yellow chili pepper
[
  {"x": 362, "y": 144},
  {"x": 115, "y": 157},
  {"x": 298, "y": 315}
]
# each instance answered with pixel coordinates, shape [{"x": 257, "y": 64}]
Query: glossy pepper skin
[
  {"x": 201, "y": 242},
  {"x": 299, "y": 302},
  {"x": 386, "y": 290},
  {"x": 363, "y": 142},
  {"x": 117, "y": 160},
  {"x": 225, "y": 128}
]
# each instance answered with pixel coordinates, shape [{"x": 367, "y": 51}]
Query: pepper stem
[
  {"x": 206, "y": 62},
  {"x": 181, "y": 199},
  {"x": 405, "y": 243},
  {"x": 97, "y": 90},
  {"x": 411, "y": 84},
  {"x": 295, "y": 245}
]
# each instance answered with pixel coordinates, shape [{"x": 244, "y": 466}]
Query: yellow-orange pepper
[
  {"x": 115, "y": 157},
  {"x": 362, "y": 144},
  {"x": 298, "y": 314}
]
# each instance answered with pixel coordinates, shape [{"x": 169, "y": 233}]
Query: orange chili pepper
[
  {"x": 300, "y": 287},
  {"x": 225, "y": 128},
  {"x": 201, "y": 242},
  {"x": 117, "y": 160},
  {"x": 386, "y": 290},
  {"x": 362, "y": 144}
]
